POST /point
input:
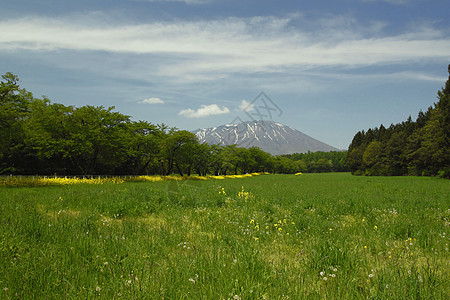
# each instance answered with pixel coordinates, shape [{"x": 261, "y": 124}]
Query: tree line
[
  {"x": 420, "y": 147},
  {"x": 318, "y": 162},
  {"x": 41, "y": 137}
]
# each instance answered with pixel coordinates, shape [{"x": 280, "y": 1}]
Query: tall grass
[{"x": 313, "y": 236}]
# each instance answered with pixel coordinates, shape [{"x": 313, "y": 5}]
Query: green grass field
[{"x": 313, "y": 236}]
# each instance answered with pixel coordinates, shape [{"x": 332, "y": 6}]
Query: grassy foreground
[{"x": 312, "y": 236}]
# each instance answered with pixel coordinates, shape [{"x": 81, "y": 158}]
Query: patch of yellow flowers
[
  {"x": 47, "y": 181},
  {"x": 19, "y": 181},
  {"x": 243, "y": 195},
  {"x": 281, "y": 228}
]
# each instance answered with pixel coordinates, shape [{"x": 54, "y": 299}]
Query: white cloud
[
  {"x": 186, "y": 1},
  {"x": 389, "y": 1},
  {"x": 196, "y": 51},
  {"x": 204, "y": 111},
  {"x": 151, "y": 101},
  {"x": 246, "y": 106}
]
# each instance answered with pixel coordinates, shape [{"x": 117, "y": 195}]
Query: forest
[
  {"x": 45, "y": 138},
  {"x": 420, "y": 147}
]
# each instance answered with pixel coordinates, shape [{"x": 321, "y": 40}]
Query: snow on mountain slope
[{"x": 271, "y": 137}]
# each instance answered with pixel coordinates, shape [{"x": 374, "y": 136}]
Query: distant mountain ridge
[{"x": 272, "y": 137}]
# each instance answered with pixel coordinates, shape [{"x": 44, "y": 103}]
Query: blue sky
[{"x": 333, "y": 67}]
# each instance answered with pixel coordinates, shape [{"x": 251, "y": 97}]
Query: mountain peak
[{"x": 272, "y": 137}]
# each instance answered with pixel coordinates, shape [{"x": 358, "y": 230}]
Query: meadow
[{"x": 311, "y": 236}]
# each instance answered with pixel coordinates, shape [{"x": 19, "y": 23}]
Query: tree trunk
[
  {"x": 179, "y": 170},
  {"x": 199, "y": 171},
  {"x": 161, "y": 162},
  {"x": 169, "y": 166},
  {"x": 93, "y": 162}
]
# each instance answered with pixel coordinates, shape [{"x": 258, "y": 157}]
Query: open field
[{"x": 313, "y": 236}]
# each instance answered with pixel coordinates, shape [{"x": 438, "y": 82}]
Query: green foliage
[
  {"x": 320, "y": 162},
  {"x": 415, "y": 148},
  {"x": 14, "y": 110}
]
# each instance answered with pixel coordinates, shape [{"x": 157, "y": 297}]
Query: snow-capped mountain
[{"x": 271, "y": 137}]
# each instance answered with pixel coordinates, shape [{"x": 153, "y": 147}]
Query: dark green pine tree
[
  {"x": 436, "y": 135},
  {"x": 428, "y": 149},
  {"x": 414, "y": 148}
]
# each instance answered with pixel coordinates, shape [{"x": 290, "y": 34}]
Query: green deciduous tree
[
  {"x": 178, "y": 145},
  {"x": 141, "y": 141},
  {"x": 14, "y": 110}
]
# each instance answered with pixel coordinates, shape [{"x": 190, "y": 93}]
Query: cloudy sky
[{"x": 331, "y": 67}]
